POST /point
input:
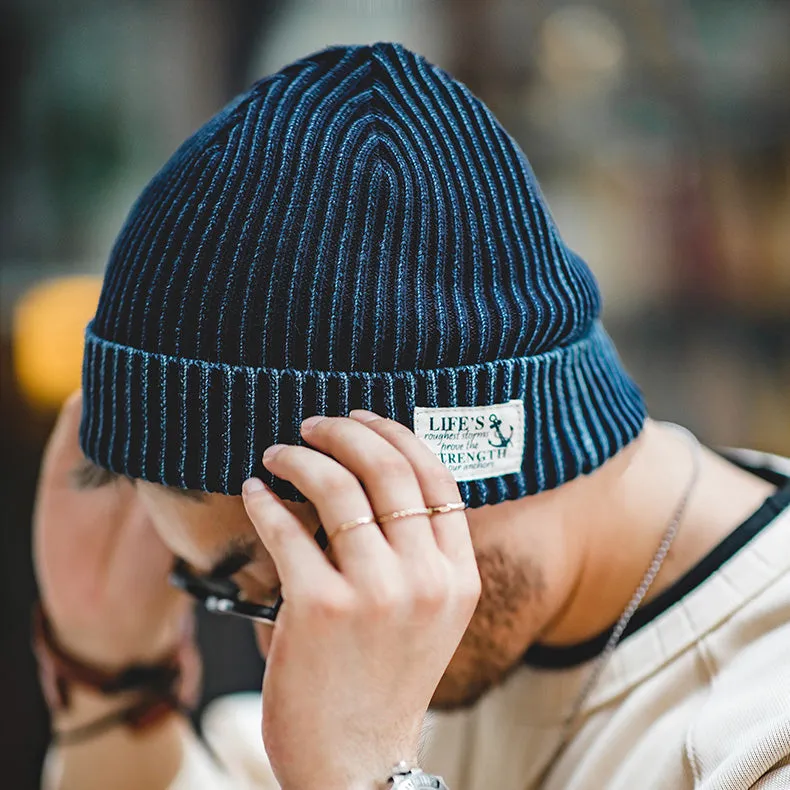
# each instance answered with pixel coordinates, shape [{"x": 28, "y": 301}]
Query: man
[{"x": 357, "y": 239}]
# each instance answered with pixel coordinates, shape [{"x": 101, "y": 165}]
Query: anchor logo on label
[{"x": 504, "y": 441}]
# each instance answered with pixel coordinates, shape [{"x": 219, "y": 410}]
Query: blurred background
[{"x": 660, "y": 132}]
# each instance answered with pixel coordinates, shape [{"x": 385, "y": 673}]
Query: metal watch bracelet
[{"x": 408, "y": 777}]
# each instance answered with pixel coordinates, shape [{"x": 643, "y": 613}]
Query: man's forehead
[{"x": 88, "y": 475}]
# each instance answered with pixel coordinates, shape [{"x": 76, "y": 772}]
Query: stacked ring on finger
[
  {"x": 355, "y": 522},
  {"x": 413, "y": 511},
  {"x": 448, "y": 508},
  {"x": 421, "y": 511}
]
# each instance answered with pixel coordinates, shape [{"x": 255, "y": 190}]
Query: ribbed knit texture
[{"x": 356, "y": 230}]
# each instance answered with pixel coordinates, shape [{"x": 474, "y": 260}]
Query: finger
[
  {"x": 63, "y": 453},
  {"x": 436, "y": 482},
  {"x": 74, "y": 521},
  {"x": 389, "y": 480},
  {"x": 338, "y": 498},
  {"x": 140, "y": 559},
  {"x": 297, "y": 557},
  {"x": 57, "y": 488}
]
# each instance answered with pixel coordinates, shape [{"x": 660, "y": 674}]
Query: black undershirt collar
[{"x": 545, "y": 657}]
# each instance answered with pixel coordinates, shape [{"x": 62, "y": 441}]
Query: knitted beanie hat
[{"x": 355, "y": 231}]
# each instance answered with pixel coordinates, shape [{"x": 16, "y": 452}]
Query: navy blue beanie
[{"x": 356, "y": 230}]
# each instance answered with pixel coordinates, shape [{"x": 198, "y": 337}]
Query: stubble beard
[{"x": 500, "y": 631}]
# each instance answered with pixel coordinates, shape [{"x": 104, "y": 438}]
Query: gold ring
[
  {"x": 412, "y": 511},
  {"x": 448, "y": 508},
  {"x": 355, "y": 522},
  {"x": 421, "y": 511}
]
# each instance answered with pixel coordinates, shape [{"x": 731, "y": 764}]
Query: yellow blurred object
[
  {"x": 49, "y": 324},
  {"x": 581, "y": 49}
]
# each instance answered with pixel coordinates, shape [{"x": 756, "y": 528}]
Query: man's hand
[
  {"x": 359, "y": 646},
  {"x": 102, "y": 570}
]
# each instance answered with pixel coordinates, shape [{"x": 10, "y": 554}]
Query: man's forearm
[{"x": 117, "y": 757}]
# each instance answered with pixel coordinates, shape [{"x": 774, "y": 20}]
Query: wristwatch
[{"x": 405, "y": 777}]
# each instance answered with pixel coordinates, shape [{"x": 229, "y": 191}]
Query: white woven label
[{"x": 474, "y": 442}]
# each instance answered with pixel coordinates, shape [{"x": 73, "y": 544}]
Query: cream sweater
[{"x": 697, "y": 698}]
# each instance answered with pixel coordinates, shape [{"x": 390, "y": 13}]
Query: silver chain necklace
[{"x": 633, "y": 604}]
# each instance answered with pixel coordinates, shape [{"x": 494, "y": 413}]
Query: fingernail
[
  {"x": 252, "y": 486},
  {"x": 363, "y": 415},
  {"x": 311, "y": 422},
  {"x": 270, "y": 452}
]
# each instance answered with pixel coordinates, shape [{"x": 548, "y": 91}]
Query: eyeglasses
[{"x": 223, "y": 596}]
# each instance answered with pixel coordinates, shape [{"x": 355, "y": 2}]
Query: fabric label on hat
[{"x": 474, "y": 442}]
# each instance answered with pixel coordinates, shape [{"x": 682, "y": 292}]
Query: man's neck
[{"x": 618, "y": 517}]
